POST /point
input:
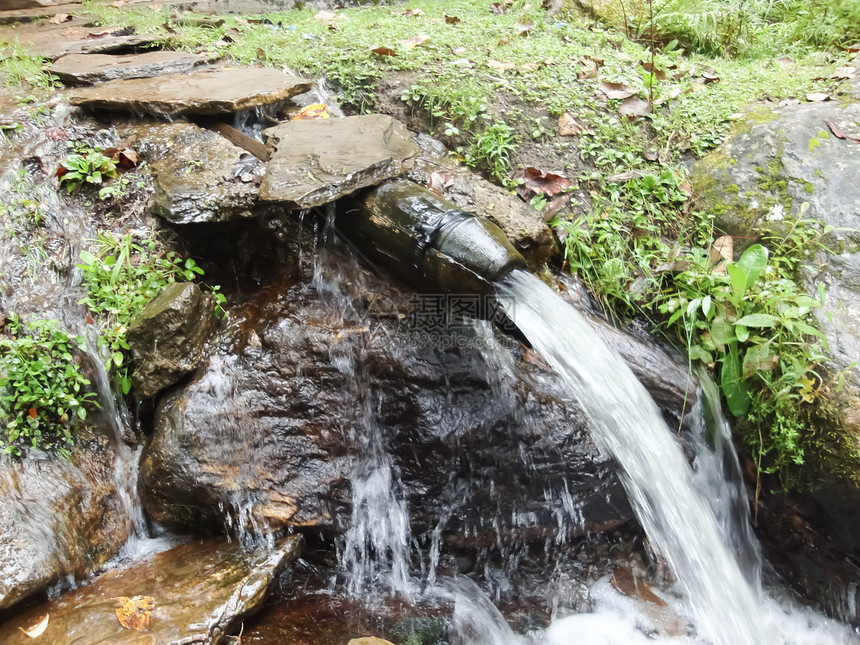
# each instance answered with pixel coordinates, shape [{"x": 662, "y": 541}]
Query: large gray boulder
[
  {"x": 168, "y": 339},
  {"x": 58, "y": 518}
]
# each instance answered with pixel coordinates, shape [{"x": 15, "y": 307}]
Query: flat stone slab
[
  {"x": 10, "y": 15},
  {"x": 53, "y": 41},
  {"x": 200, "y": 591},
  {"x": 204, "y": 92},
  {"x": 316, "y": 162},
  {"x": 100, "y": 68},
  {"x": 199, "y": 175}
]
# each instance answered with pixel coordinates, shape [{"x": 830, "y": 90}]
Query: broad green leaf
[
  {"x": 753, "y": 262},
  {"x": 739, "y": 283},
  {"x": 722, "y": 332},
  {"x": 733, "y": 386},
  {"x": 758, "y": 320},
  {"x": 706, "y": 305}
]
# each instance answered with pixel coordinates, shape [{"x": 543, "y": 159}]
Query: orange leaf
[
  {"x": 134, "y": 613},
  {"x": 312, "y": 112},
  {"x": 384, "y": 51},
  {"x": 33, "y": 413}
]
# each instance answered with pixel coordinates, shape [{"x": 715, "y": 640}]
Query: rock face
[
  {"x": 316, "y": 162},
  {"x": 277, "y": 423},
  {"x": 168, "y": 339},
  {"x": 199, "y": 175},
  {"x": 57, "y": 518},
  {"x": 781, "y": 164},
  {"x": 207, "y": 92},
  {"x": 200, "y": 591},
  {"x": 99, "y": 68}
]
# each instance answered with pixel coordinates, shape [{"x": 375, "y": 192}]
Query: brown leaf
[
  {"x": 325, "y": 15},
  {"x": 90, "y": 320},
  {"x": 384, "y": 51},
  {"x": 853, "y": 49},
  {"x": 849, "y": 71},
  {"x": 500, "y": 66},
  {"x": 111, "y": 31},
  {"x": 785, "y": 62},
  {"x": 710, "y": 75},
  {"x": 38, "y": 629},
  {"x": 529, "y": 67},
  {"x": 134, "y": 613},
  {"x": 504, "y": 41},
  {"x": 817, "y": 97},
  {"x": 524, "y": 27},
  {"x": 439, "y": 181},
  {"x": 553, "y": 207},
  {"x": 412, "y": 43},
  {"x": 33, "y": 413},
  {"x": 673, "y": 93},
  {"x": 536, "y": 182},
  {"x": 633, "y": 106},
  {"x": 312, "y": 112},
  {"x": 451, "y": 20},
  {"x": 680, "y": 74},
  {"x": 723, "y": 248},
  {"x": 498, "y": 8},
  {"x": 836, "y": 131},
  {"x": 568, "y": 126},
  {"x": 589, "y": 68},
  {"x": 60, "y": 18},
  {"x": 414, "y": 12},
  {"x": 659, "y": 74},
  {"x": 616, "y": 90}
]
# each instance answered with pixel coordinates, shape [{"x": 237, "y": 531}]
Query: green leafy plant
[
  {"x": 89, "y": 166},
  {"x": 121, "y": 277},
  {"x": 492, "y": 149},
  {"x": 43, "y": 395}
]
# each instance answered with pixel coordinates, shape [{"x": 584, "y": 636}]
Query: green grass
[{"x": 19, "y": 70}]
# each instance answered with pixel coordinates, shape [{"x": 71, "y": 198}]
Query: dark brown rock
[
  {"x": 200, "y": 592},
  {"x": 199, "y": 175},
  {"x": 57, "y": 518},
  {"x": 169, "y": 337},
  {"x": 316, "y": 162},
  {"x": 205, "y": 92},
  {"x": 99, "y": 68}
]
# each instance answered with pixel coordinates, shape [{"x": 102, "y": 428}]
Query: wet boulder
[
  {"x": 58, "y": 518},
  {"x": 303, "y": 388},
  {"x": 199, "y": 175},
  {"x": 318, "y": 161},
  {"x": 194, "y": 593},
  {"x": 169, "y": 337}
]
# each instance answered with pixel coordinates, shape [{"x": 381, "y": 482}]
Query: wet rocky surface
[
  {"x": 54, "y": 41},
  {"x": 99, "y": 68},
  {"x": 17, "y": 14},
  {"x": 200, "y": 590},
  {"x": 316, "y": 162},
  {"x": 169, "y": 338},
  {"x": 58, "y": 518},
  {"x": 203, "y": 92},
  {"x": 275, "y": 416},
  {"x": 199, "y": 175}
]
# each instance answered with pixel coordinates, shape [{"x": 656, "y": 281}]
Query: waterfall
[{"x": 627, "y": 424}]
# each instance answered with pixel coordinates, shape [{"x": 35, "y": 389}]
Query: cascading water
[{"x": 666, "y": 494}]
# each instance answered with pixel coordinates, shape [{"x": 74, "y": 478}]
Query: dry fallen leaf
[
  {"x": 616, "y": 90},
  {"x": 589, "y": 68},
  {"x": 451, "y": 20},
  {"x": 312, "y": 112},
  {"x": 411, "y": 43},
  {"x": 38, "y": 629},
  {"x": 60, "y": 18},
  {"x": 524, "y": 27},
  {"x": 325, "y": 15},
  {"x": 439, "y": 181},
  {"x": 414, "y": 12},
  {"x": 838, "y": 133},
  {"x": 658, "y": 73},
  {"x": 568, "y": 126},
  {"x": 528, "y": 67},
  {"x": 384, "y": 51},
  {"x": 673, "y": 93},
  {"x": 504, "y": 41},
  {"x": 134, "y": 613},
  {"x": 723, "y": 248},
  {"x": 817, "y": 97},
  {"x": 497, "y": 7},
  {"x": 531, "y": 357},
  {"x": 849, "y": 71},
  {"x": 710, "y": 75},
  {"x": 500, "y": 66},
  {"x": 634, "y": 106},
  {"x": 536, "y": 182}
]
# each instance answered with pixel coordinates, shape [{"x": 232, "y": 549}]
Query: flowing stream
[{"x": 696, "y": 536}]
